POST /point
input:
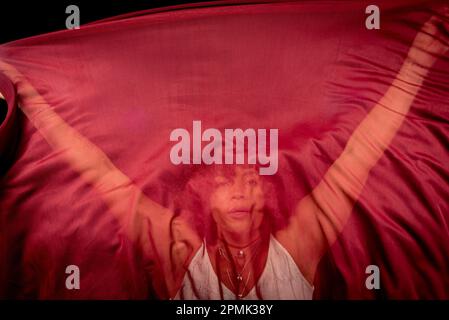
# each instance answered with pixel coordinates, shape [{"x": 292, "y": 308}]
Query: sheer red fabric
[{"x": 310, "y": 69}]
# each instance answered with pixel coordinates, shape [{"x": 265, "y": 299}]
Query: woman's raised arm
[
  {"x": 164, "y": 237},
  {"x": 320, "y": 217}
]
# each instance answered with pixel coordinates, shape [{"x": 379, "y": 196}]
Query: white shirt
[{"x": 280, "y": 279}]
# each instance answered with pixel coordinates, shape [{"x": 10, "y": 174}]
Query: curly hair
[{"x": 195, "y": 186}]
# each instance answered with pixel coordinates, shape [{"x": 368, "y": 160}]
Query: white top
[{"x": 280, "y": 279}]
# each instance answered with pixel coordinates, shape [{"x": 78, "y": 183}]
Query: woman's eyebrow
[{"x": 250, "y": 174}]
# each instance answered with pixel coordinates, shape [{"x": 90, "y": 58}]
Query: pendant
[
  {"x": 239, "y": 277},
  {"x": 241, "y": 254}
]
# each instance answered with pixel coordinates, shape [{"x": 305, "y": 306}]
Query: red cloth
[{"x": 309, "y": 68}]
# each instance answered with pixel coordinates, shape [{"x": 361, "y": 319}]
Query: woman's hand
[{"x": 432, "y": 41}]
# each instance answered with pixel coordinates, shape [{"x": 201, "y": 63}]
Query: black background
[{"x": 21, "y": 19}]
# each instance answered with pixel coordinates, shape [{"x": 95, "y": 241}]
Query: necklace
[
  {"x": 240, "y": 285},
  {"x": 240, "y": 292}
]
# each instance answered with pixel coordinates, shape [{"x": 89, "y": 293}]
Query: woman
[{"x": 245, "y": 257}]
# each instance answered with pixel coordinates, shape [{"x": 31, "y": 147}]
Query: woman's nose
[{"x": 238, "y": 190}]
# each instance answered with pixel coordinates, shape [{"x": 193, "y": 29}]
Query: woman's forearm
[
  {"x": 125, "y": 200},
  {"x": 320, "y": 217},
  {"x": 344, "y": 181},
  {"x": 374, "y": 134}
]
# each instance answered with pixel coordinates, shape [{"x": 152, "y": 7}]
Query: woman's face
[{"x": 237, "y": 201}]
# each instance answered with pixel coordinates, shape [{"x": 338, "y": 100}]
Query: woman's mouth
[{"x": 239, "y": 212}]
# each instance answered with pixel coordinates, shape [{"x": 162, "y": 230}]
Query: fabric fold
[{"x": 9, "y": 128}]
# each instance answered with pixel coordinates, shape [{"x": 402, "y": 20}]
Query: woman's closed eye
[
  {"x": 252, "y": 181},
  {"x": 221, "y": 181}
]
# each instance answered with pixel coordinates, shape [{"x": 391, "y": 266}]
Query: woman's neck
[
  {"x": 239, "y": 240},
  {"x": 234, "y": 240}
]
